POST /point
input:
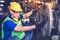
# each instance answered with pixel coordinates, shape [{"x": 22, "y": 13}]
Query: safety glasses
[{"x": 16, "y": 11}]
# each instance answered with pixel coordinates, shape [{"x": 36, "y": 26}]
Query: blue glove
[
  {"x": 32, "y": 18},
  {"x": 40, "y": 25}
]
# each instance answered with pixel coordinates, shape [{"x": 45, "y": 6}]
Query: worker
[{"x": 12, "y": 25}]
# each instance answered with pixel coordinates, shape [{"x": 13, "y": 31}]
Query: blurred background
[{"x": 28, "y": 5}]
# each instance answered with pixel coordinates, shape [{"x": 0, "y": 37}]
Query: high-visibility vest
[{"x": 20, "y": 35}]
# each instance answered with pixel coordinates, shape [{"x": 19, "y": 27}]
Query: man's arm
[
  {"x": 27, "y": 28},
  {"x": 12, "y": 26},
  {"x": 27, "y": 14}
]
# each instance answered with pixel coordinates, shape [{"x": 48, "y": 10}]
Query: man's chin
[{"x": 17, "y": 17}]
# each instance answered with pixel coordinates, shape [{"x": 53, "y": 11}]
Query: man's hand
[
  {"x": 40, "y": 25},
  {"x": 26, "y": 15}
]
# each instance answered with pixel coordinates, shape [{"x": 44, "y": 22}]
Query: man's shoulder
[{"x": 8, "y": 22}]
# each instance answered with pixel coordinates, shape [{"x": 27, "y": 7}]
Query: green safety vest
[{"x": 20, "y": 35}]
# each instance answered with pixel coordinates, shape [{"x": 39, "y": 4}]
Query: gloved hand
[
  {"x": 33, "y": 18},
  {"x": 32, "y": 22},
  {"x": 40, "y": 25}
]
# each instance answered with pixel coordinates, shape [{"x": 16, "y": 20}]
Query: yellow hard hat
[{"x": 15, "y": 6}]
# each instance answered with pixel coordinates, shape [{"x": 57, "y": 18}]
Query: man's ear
[{"x": 11, "y": 11}]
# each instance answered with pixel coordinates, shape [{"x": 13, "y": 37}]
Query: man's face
[{"x": 15, "y": 14}]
